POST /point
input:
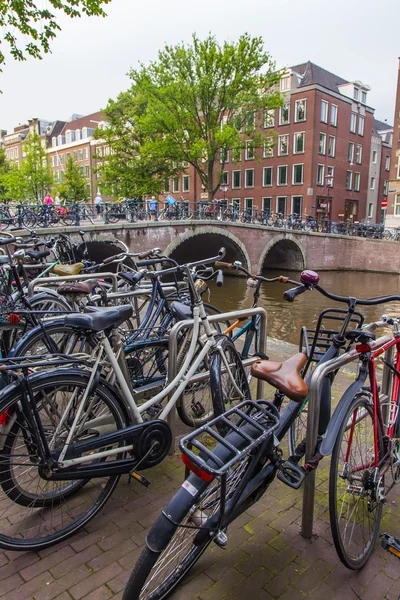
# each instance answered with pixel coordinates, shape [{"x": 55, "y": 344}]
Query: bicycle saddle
[
  {"x": 96, "y": 318},
  {"x": 285, "y": 376},
  {"x": 37, "y": 254},
  {"x": 181, "y": 311},
  {"x": 77, "y": 288},
  {"x": 65, "y": 270}
]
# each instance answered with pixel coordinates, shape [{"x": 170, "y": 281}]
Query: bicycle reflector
[
  {"x": 14, "y": 319},
  {"x": 196, "y": 470}
]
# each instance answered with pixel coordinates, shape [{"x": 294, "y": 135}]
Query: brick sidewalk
[{"x": 266, "y": 558}]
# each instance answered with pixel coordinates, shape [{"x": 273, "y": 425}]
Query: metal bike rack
[
  {"x": 314, "y": 398},
  {"x": 187, "y": 324},
  {"x": 58, "y": 279}
]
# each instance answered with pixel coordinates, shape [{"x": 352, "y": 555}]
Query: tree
[
  {"x": 192, "y": 105},
  {"x": 73, "y": 187},
  {"x": 38, "y": 24},
  {"x": 35, "y": 171},
  {"x": 4, "y": 171}
]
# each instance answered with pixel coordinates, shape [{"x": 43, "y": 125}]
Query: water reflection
[{"x": 286, "y": 319}]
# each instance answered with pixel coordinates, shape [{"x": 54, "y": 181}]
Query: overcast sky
[{"x": 355, "y": 39}]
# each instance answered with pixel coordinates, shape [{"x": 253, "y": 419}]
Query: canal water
[{"x": 286, "y": 319}]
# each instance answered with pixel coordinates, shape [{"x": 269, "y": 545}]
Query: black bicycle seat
[
  {"x": 96, "y": 318},
  {"x": 5, "y": 241},
  {"x": 37, "y": 254},
  {"x": 181, "y": 311},
  {"x": 359, "y": 335}
]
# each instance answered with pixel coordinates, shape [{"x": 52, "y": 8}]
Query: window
[
  {"x": 283, "y": 145},
  {"x": 353, "y": 118},
  {"x": 81, "y": 154},
  {"x": 68, "y": 156},
  {"x": 364, "y": 97},
  {"x": 332, "y": 146},
  {"x": 349, "y": 180},
  {"x": 185, "y": 183},
  {"x": 87, "y": 171},
  {"x": 282, "y": 175},
  {"x": 320, "y": 174},
  {"x": 267, "y": 205},
  {"x": 322, "y": 143},
  {"x": 268, "y": 151},
  {"x": 224, "y": 156},
  {"x": 75, "y": 155},
  {"x": 385, "y": 188},
  {"x": 324, "y": 111},
  {"x": 236, "y": 177},
  {"x": 166, "y": 185},
  {"x": 370, "y": 210},
  {"x": 297, "y": 205},
  {"x": 357, "y": 182},
  {"x": 285, "y": 84},
  {"x": 267, "y": 176},
  {"x": 236, "y": 155},
  {"x": 284, "y": 114},
  {"x": 236, "y": 203},
  {"x": 372, "y": 183},
  {"x": 249, "y": 152},
  {"x": 249, "y": 178},
  {"x": 298, "y": 171},
  {"x": 387, "y": 162},
  {"x": 298, "y": 143},
  {"x": 250, "y": 120},
  {"x": 248, "y": 204},
  {"x": 355, "y": 93},
  {"x": 269, "y": 118},
  {"x": 358, "y": 154},
  {"x": 175, "y": 184},
  {"x": 333, "y": 117},
  {"x": 329, "y": 176},
  {"x": 281, "y": 205},
  {"x": 374, "y": 157},
  {"x": 397, "y": 205},
  {"x": 300, "y": 110},
  {"x": 350, "y": 154},
  {"x": 361, "y": 125},
  {"x": 225, "y": 178},
  {"x": 61, "y": 159},
  {"x": 398, "y": 168}
]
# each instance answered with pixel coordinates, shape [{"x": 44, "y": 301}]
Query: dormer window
[
  {"x": 356, "y": 93},
  {"x": 364, "y": 97},
  {"x": 285, "y": 84}
]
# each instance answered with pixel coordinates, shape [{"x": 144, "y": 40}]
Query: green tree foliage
[
  {"x": 36, "y": 21},
  {"x": 191, "y": 105},
  {"x": 35, "y": 172},
  {"x": 4, "y": 171},
  {"x": 73, "y": 187}
]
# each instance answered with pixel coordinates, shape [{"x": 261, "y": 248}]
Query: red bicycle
[{"x": 366, "y": 456}]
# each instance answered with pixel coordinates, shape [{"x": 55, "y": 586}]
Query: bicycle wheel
[
  {"x": 29, "y": 219},
  {"x": 36, "y": 512},
  {"x": 355, "y": 511},
  {"x": 157, "y": 574},
  {"x": 55, "y": 337},
  {"x": 49, "y": 303},
  {"x": 228, "y": 387}
]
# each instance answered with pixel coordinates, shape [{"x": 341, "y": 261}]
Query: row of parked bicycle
[{"x": 93, "y": 366}]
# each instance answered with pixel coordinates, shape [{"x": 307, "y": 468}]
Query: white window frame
[
  {"x": 268, "y": 152},
  {"x": 265, "y": 169},
  {"x": 249, "y": 146},
  {"x": 350, "y": 186},
  {"x": 385, "y": 187},
  {"x": 356, "y": 93},
  {"x": 277, "y": 175},
  {"x": 370, "y": 210},
  {"x": 364, "y": 97},
  {"x": 302, "y": 174},
  {"x": 333, "y": 153},
  {"x": 322, "y": 136},
  {"x": 296, "y": 120},
  {"x": 225, "y": 178},
  {"x": 398, "y": 168},
  {"x": 295, "y": 137},
  {"x": 387, "y": 162},
  {"x": 245, "y": 179},
  {"x": 236, "y": 187},
  {"x": 250, "y": 205},
  {"x": 277, "y": 204},
  {"x": 333, "y": 112},
  {"x": 269, "y": 118},
  {"x": 361, "y": 125},
  {"x": 350, "y": 152},
  {"x": 263, "y": 204},
  {"x": 396, "y": 208},
  {"x": 357, "y": 181},
  {"x": 359, "y": 154},
  {"x": 353, "y": 122},
  {"x": 322, "y": 183},
  {"x": 236, "y": 202},
  {"x": 285, "y": 83},
  {"x": 221, "y": 157},
  {"x": 281, "y": 122},
  {"x": 301, "y": 204},
  {"x": 285, "y": 135},
  {"x": 330, "y": 174},
  {"x": 374, "y": 157},
  {"x": 372, "y": 183},
  {"x": 324, "y": 111},
  {"x": 186, "y": 178},
  {"x": 175, "y": 185}
]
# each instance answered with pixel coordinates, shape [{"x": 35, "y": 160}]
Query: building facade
[
  {"x": 393, "y": 201},
  {"x": 378, "y": 182}
]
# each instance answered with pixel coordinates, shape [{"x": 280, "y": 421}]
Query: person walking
[
  {"x": 98, "y": 202},
  {"x": 48, "y": 200},
  {"x": 152, "y": 207},
  {"x": 57, "y": 202}
]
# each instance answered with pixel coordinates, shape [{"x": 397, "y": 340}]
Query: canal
[{"x": 286, "y": 319}]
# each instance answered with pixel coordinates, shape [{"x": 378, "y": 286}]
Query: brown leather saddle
[
  {"x": 285, "y": 376},
  {"x": 77, "y": 288}
]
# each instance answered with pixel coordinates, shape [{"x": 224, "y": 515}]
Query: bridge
[{"x": 257, "y": 246}]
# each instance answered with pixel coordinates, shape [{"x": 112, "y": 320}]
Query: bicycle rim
[{"x": 354, "y": 512}]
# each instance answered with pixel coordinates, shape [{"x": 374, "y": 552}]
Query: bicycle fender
[
  {"x": 164, "y": 528},
  {"x": 345, "y": 401},
  {"x": 31, "y": 332}
]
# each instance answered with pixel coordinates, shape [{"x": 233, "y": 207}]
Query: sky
[{"x": 90, "y": 59}]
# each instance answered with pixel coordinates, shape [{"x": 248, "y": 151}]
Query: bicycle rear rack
[{"x": 253, "y": 423}]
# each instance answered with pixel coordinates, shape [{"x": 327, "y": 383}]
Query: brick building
[{"x": 393, "y": 204}]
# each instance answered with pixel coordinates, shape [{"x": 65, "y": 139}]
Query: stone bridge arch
[
  {"x": 197, "y": 244},
  {"x": 283, "y": 252}
]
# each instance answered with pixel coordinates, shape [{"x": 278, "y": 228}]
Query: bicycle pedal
[
  {"x": 198, "y": 409},
  {"x": 291, "y": 474},
  {"x": 221, "y": 539},
  {"x": 261, "y": 355},
  {"x": 138, "y": 477}
]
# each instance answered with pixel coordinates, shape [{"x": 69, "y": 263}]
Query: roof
[
  {"x": 380, "y": 126},
  {"x": 313, "y": 74},
  {"x": 90, "y": 121}
]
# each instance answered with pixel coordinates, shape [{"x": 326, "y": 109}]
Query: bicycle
[{"x": 230, "y": 464}]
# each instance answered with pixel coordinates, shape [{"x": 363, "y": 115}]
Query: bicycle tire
[
  {"x": 41, "y": 529},
  {"x": 49, "y": 303},
  {"x": 29, "y": 219},
  {"x": 340, "y": 476},
  {"x": 62, "y": 339},
  {"x": 224, "y": 393}
]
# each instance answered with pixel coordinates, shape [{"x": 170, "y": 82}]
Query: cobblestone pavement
[{"x": 266, "y": 557}]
